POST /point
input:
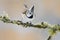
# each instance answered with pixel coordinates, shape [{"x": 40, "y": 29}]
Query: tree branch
[{"x": 44, "y": 25}]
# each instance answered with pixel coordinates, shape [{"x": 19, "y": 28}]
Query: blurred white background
[{"x": 45, "y": 10}]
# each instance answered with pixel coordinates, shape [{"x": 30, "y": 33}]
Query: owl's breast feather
[{"x": 30, "y": 17}]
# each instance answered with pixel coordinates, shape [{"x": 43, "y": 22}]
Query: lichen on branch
[{"x": 44, "y": 25}]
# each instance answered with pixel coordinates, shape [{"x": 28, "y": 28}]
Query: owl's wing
[{"x": 32, "y": 9}]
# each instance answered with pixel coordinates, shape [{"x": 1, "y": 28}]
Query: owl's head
[{"x": 29, "y": 12}]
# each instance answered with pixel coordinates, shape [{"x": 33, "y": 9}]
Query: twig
[{"x": 43, "y": 25}]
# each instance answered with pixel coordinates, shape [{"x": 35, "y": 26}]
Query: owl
[{"x": 28, "y": 15}]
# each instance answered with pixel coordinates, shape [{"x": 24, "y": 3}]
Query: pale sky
[{"x": 45, "y": 10}]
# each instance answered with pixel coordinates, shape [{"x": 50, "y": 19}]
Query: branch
[{"x": 52, "y": 28}]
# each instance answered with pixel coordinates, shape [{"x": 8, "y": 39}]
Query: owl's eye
[{"x": 30, "y": 13}]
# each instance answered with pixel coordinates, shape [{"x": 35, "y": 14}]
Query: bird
[{"x": 28, "y": 14}]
